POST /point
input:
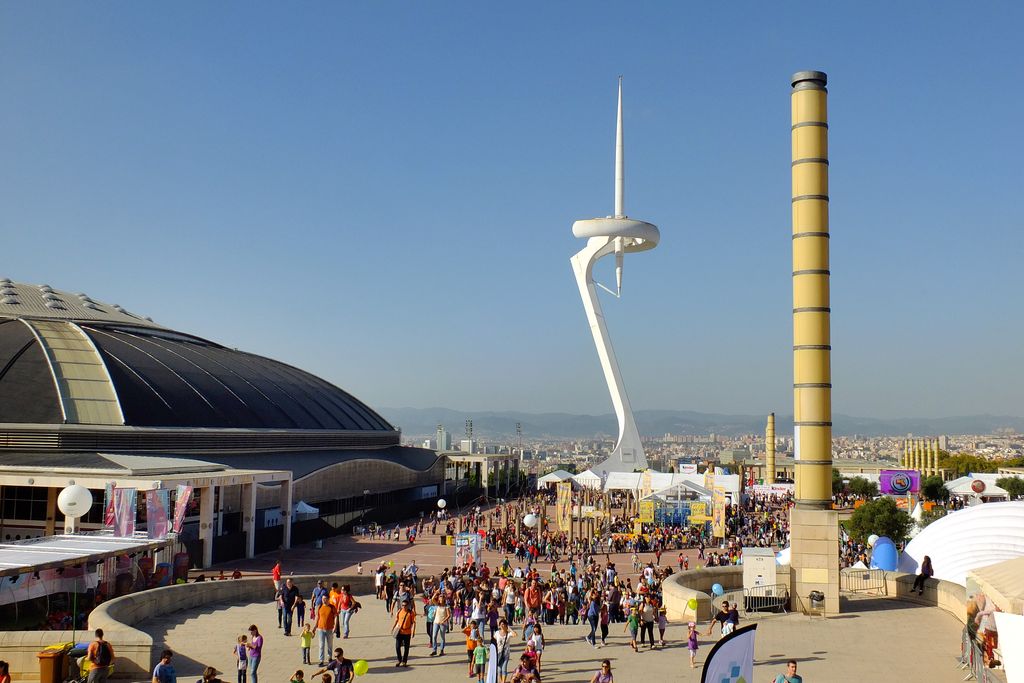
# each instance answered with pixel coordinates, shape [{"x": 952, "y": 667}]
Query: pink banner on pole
[
  {"x": 157, "y": 505},
  {"x": 125, "y": 507},
  {"x": 181, "y": 500}
]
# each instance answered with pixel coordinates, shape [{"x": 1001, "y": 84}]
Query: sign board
[
  {"x": 899, "y": 482},
  {"x": 467, "y": 549},
  {"x": 647, "y": 511},
  {"x": 699, "y": 512},
  {"x": 686, "y": 467},
  {"x": 563, "y": 504},
  {"x": 772, "y": 489},
  {"x": 758, "y": 567}
]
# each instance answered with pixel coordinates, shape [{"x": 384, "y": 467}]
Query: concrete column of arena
[
  {"x": 814, "y": 525},
  {"x": 769, "y": 450}
]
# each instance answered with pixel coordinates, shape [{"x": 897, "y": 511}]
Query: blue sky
[{"x": 382, "y": 193}]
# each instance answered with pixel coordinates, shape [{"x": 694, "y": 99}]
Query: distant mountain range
[{"x": 422, "y": 422}]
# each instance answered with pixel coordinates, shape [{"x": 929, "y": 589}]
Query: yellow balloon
[
  {"x": 692, "y": 603},
  {"x": 391, "y": 563},
  {"x": 361, "y": 667}
]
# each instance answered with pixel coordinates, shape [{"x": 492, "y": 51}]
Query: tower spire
[{"x": 620, "y": 163}]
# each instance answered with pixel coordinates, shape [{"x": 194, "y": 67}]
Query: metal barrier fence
[
  {"x": 771, "y": 597},
  {"x": 870, "y": 581},
  {"x": 972, "y": 660}
]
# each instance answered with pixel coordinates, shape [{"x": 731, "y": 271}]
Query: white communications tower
[{"x": 617, "y": 235}]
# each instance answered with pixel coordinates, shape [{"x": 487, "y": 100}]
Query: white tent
[
  {"x": 304, "y": 510},
  {"x": 1003, "y": 582},
  {"x": 963, "y": 487},
  {"x": 588, "y": 480},
  {"x": 967, "y": 539},
  {"x": 556, "y": 477}
]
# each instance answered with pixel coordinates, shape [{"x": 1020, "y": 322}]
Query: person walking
[
  {"x": 326, "y": 616},
  {"x": 647, "y": 615},
  {"x": 101, "y": 656},
  {"x": 791, "y": 675},
  {"x": 404, "y": 628},
  {"x": 926, "y": 573},
  {"x": 504, "y": 648},
  {"x": 442, "y": 617},
  {"x": 593, "y": 615},
  {"x": 241, "y": 655},
  {"x": 691, "y": 643},
  {"x": 287, "y": 595},
  {"x": 255, "y": 647},
  {"x": 164, "y": 672},
  {"x": 343, "y": 669},
  {"x": 347, "y": 606}
]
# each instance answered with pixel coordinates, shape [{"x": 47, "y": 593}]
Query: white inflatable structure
[{"x": 968, "y": 539}]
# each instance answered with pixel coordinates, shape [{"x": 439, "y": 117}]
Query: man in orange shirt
[
  {"x": 100, "y": 655},
  {"x": 404, "y": 629},
  {"x": 326, "y": 617}
]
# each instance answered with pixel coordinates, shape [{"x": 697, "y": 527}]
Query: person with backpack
[{"x": 101, "y": 656}]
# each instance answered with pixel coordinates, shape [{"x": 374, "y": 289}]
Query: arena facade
[{"x": 92, "y": 393}]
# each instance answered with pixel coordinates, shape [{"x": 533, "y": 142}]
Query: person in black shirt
[{"x": 287, "y": 595}]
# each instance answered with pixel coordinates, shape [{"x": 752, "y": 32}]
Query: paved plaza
[{"x": 874, "y": 639}]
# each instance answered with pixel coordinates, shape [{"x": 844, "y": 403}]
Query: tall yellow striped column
[
  {"x": 812, "y": 373},
  {"x": 769, "y": 450},
  {"x": 906, "y": 454}
]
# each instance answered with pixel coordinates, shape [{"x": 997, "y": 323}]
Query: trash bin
[
  {"x": 817, "y": 599},
  {"x": 444, "y": 539},
  {"x": 53, "y": 665},
  {"x": 318, "y": 544}
]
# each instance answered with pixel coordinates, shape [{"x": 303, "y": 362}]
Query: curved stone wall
[{"x": 136, "y": 654}]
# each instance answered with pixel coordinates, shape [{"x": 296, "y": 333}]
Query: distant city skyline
[{"x": 380, "y": 194}]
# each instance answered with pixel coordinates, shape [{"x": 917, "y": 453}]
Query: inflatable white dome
[{"x": 968, "y": 539}]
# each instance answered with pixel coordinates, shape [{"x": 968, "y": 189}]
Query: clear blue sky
[{"x": 382, "y": 193}]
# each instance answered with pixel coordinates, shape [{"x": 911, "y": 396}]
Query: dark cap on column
[{"x": 809, "y": 80}]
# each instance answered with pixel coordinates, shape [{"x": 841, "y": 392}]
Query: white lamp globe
[
  {"x": 872, "y": 539},
  {"x": 441, "y": 503},
  {"x": 530, "y": 520},
  {"x": 74, "y": 501}
]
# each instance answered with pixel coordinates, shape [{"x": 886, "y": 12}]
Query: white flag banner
[
  {"x": 732, "y": 658},
  {"x": 492, "y": 664}
]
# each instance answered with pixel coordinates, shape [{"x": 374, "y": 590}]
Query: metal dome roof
[{"x": 67, "y": 359}]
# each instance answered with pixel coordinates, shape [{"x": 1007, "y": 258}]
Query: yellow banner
[
  {"x": 698, "y": 512},
  {"x": 718, "y": 512},
  {"x": 647, "y": 511},
  {"x": 563, "y": 504}
]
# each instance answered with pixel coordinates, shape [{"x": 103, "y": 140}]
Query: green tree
[
  {"x": 882, "y": 517},
  {"x": 862, "y": 487},
  {"x": 932, "y": 489},
  {"x": 1013, "y": 485},
  {"x": 837, "y": 482}
]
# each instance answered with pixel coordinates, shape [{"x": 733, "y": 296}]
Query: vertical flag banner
[
  {"x": 108, "y": 505},
  {"x": 125, "y": 507},
  {"x": 157, "y": 504},
  {"x": 732, "y": 658},
  {"x": 718, "y": 512},
  {"x": 182, "y": 498},
  {"x": 563, "y": 504}
]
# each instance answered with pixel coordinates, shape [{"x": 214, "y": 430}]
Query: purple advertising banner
[
  {"x": 899, "y": 482},
  {"x": 124, "y": 512},
  {"x": 157, "y": 505}
]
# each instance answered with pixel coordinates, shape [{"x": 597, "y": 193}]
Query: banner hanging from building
[
  {"x": 899, "y": 482},
  {"x": 182, "y": 498},
  {"x": 563, "y": 504},
  {"x": 125, "y": 508},
  {"x": 647, "y": 511},
  {"x": 108, "y": 505},
  {"x": 731, "y": 660},
  {"x": 718, "y": 512},
  {"x": 158, "y": 503}
]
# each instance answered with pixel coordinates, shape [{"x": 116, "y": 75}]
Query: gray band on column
[
  {"x": 811, "y": 160},
  {"x": 812, "y": 271},
  {"x": 820, "y": 124},
  {"x": 801, "y": 197},
  {"x": 813, "y": 309},
  {"x": 797, "y": 235}
]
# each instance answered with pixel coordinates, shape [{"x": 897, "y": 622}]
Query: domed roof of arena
[{"x": 66, "y": 358}]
